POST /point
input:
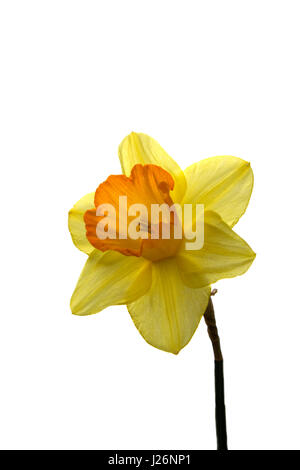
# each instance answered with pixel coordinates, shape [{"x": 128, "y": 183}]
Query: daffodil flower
[{"x": 165, "y": 286}]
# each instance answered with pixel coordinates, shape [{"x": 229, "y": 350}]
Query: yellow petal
[
  {"x": 110, "y": 278},
  {"x": 222, "y": 184},
  {"x": 169, "y": 313},
  {"x": 224, "y": 254},
  {"x": 140, "y": 148},
  {"x": 76, "y": 223}
]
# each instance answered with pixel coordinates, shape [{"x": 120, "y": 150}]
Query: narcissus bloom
[{"x": 165, "y": 286}]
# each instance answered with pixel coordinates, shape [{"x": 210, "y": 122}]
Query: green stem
[{"x": 212, "y": 329}]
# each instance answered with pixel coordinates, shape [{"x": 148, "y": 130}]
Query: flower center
[{"x": 135, "y": 215}]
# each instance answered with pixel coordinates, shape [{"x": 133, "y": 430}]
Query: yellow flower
[{"x": 165, "y": 286}]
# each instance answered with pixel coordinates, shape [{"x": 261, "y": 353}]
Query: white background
[{"x": 204, "y": 78}]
